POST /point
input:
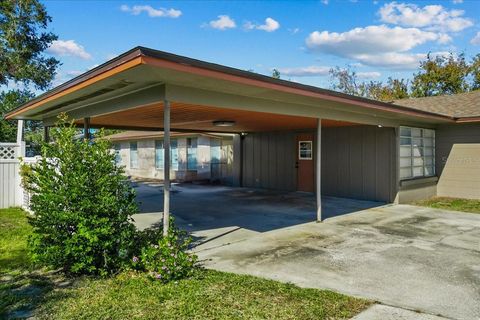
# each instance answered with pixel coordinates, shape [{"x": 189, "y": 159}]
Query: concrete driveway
[{"x": 404, "y": 256}]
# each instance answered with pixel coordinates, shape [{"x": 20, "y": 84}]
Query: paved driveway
[{"x": 405, "y": 256}]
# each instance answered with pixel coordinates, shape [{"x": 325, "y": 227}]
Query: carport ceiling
[{"x": 190, "y": 117}]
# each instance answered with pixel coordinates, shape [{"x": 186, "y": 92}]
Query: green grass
[
  {"x": 454, "y": 204},
  {"x": 207, "y": 295}
]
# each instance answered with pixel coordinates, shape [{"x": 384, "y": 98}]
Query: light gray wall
[
  {"x": 458, "y": 161},
  {"x": 146, "y": 159},
  {"x": 357, "y": 162}
]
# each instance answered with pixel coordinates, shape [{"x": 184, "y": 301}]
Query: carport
[{"x": 286, "y": 133}]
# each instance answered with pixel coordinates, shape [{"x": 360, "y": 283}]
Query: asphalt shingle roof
[{"x": 457, "y": 105}]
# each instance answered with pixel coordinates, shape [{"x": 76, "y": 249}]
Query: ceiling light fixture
[{"x": 223, "y": 123}]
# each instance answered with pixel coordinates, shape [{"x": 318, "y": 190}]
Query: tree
[
  {"x": 8, "y": 101},
  {"x": 442, "y": 75},
  {"x": 276, "y": 74},
  {"x": 346, "y": 81},
  {"x": 23, "y": 40},
  {"x": 83, "y": 204}
]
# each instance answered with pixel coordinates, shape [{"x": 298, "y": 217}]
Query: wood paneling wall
[{"x": 357, "y": 162}]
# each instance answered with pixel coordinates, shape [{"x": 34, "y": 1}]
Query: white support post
[
  {"x": 166, "y": 167},
  {"x": 318, "y": 171},
  {"x": 19, "y": 131}
]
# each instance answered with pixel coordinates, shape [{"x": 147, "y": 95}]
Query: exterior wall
[
  {"x": 269, "y": 161},
  {"x": 458, "y": 161},
  {"x": 146, "y": 159},
  {"x": 357, "y": 162},
  {"x": 416, "y": 189}
]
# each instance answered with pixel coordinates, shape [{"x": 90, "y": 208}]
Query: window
[
  {"x": 160, "y": 152},
  {"x": 118, "y": 156},
  {"x": 133, "y": 155},
  {"x": 191, "y": 153},
  {"x": 417, "y": 153},
  {"x": 305, "y": 150}
]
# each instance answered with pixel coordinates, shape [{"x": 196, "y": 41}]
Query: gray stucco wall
[
  {"x": 458, "y": 160},
  {"x": 357, "y": 162}
]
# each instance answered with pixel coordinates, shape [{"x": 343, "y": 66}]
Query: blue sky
[{"x": 303, "y": 39}]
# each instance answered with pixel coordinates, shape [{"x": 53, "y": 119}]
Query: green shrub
[
  {"x": 167, "y": 259},
  {"x": 82, "y": 204}
]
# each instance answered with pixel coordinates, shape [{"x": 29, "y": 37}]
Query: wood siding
[
  {"x": 269, "y": 161},
  {"x": 357, "y": 162},
  {"x": 458, "y": 161}
]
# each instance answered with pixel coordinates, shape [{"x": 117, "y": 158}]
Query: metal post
[
  {"x": 318, "y": 170},
  {"x": 46, "y": 136},
  {"x": 86, "y": 128},
  {"x": 166, "y": 167}
]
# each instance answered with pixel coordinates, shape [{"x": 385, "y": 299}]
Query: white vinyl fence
[{"x": 11, "y": 193}]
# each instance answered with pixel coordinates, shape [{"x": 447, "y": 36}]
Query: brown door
[{"x": 304, "y": 164}]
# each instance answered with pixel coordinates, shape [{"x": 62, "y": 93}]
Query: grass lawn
[
  {"x": 25, "y": 291},
  {"x": 455, "y": 204}
]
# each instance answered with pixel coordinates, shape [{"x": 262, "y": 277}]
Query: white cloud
[
  {"x": 222, "y": 23},
  {"x": 325, "y": 2},
  {"x": 68, "y": 48},
  {"x": 151, "y": 12},
  {"x": 309, "y": 71},
  {"x": 375, "y": 45},
  {"x": 476, "y": 39},
  {"x": 371, "y": 39},
  {"x": 431, "y": 17},
  {"x": 457, "y": 1},
  {"x": 270, "y": 25},
  {"x": 369, "y": 75}
]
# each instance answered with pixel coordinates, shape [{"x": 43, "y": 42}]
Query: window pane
[
  {"x": 405, "y": 162},
  {"x": 416, "y": 153},
  {"x": 416, "y": 132},
  {"x": 405, "y": 141},
  {"x": 428, "y": 133},
  {"x": 418, "y": 142},
  {"x": 405, "y": 132},
  {"x": 192, "y": 153},
  {"x": 305, "y": 150},
  {"x": 428, "y": 161},
  {"x": 133, "y": 155},
  {"x": 173, "y": 154},
  {"x": 405, "y": 151},
  {"x": 428, "y": 152},
  {"x": 417, "y": 171},
  {"x": 428, "y": 142},
  {"x": 118, "y": 156},
  {"x": 159, "y": 154},
  {"x": 405, "y": 173},
  {"x": 418, "y": 161},
  {"x": 429, "y": 171}
]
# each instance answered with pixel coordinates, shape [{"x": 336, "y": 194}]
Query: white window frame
[
  {"x": 420, "y": 140},
  {"x": 300, "y": 157}
]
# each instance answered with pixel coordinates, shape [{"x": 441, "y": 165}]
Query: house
[
  {"x": 287, "y": 135},
  {"x": 199, "y": 156}
]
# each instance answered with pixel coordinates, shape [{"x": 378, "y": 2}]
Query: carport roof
[{"x": 67, "y": 93}]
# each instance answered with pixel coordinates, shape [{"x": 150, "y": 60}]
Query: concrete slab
[
  {"x": 405, "y": 256},
  {"x": 398, "y": 255},
  {"x": 382, "y": 312}
]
